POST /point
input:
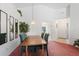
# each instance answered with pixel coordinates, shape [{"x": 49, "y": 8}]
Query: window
[
  {"x": 3, "y": 27},
  {"x": 16, "y": 28},
  {"x": 11, "y": 28}
]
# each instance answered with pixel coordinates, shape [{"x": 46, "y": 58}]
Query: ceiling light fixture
[{"x": 33, "y": 22}]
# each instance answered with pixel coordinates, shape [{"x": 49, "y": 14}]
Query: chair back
[
  {"x": 46, "y": 37},
  {"x": 42, "y": 35},
  {"x": 23, "y": 37}
]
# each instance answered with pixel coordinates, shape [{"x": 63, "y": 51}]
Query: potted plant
[{"x": 24, "y": 28}]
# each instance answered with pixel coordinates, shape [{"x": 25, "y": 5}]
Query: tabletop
[{"x": 33, "y": 40}]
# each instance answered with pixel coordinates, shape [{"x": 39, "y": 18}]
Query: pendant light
[{"x": 33, "y": 22}]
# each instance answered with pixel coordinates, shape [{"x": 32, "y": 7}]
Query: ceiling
[
  {"x": 43, "y": 10},
  {"x": 51, "y": 5}
]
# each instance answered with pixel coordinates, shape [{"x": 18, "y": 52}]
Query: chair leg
[
  {"x": 46, "y": 48},
  {"x": 22, "y": 50},
  {"x": 47, "y": 52}
]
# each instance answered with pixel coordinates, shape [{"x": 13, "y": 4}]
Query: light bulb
[{"x": 32, "y": 22}]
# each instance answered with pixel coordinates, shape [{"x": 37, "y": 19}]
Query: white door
[{"x": 62, "y": 29}]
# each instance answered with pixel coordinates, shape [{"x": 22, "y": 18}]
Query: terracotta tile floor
[
  {"x": 62, "y": 49},
  {"x": 54, "y": 49},
  {"x": 59, "y": 49}
]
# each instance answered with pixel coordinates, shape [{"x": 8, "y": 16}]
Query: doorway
[{"x": 62, "y": 30}]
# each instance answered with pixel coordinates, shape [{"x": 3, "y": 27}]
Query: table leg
[
  {"x": 42, "y": 49},
  {"x": 26, "y": 51}
]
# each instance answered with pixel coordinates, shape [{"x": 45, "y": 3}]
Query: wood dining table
[{"x": 33, "y": 41}]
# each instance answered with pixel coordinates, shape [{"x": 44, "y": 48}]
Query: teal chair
[
  {"x": 46, "y": 39},
  {"x": 23, "y": 48},
  {"x": 32, "y": 49},
  {"x": 23, "y": 36},
  {"x": 76, "y": 43},
  {"x": 42, "y": 35}
]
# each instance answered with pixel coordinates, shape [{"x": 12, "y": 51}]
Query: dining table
[{"x": 33, "y": 41}]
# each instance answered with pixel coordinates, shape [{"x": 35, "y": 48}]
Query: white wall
[
  {"x": 74, "y": 22},
  {"x": 7, "y": 48}
]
